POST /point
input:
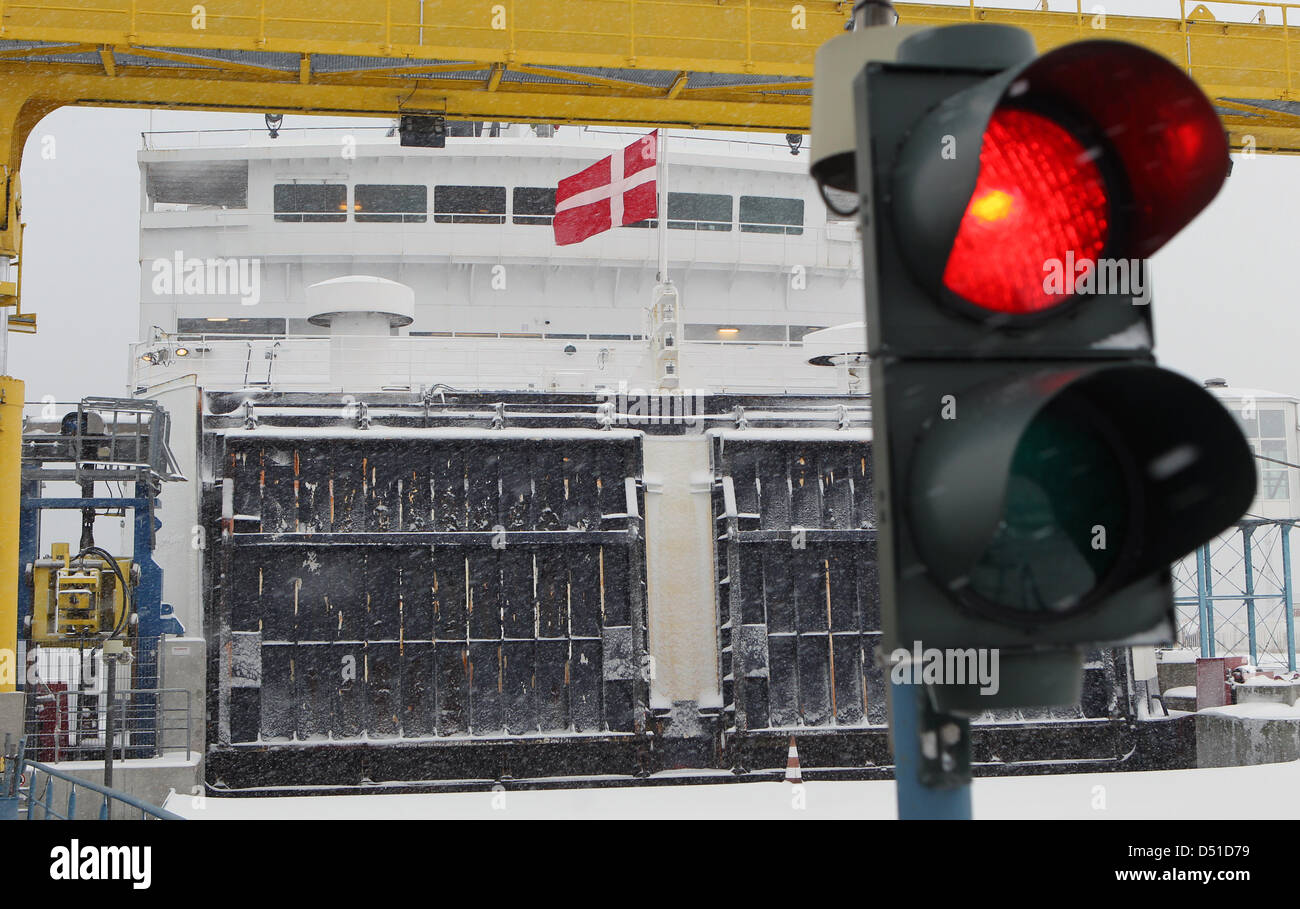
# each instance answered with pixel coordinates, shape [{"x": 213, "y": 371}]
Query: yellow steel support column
[
  {"x": 11, "y": 430},
  {"x": 18, "y": 114}
]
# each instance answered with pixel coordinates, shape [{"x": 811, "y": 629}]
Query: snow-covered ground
[{"x": 1271, "y": 790}]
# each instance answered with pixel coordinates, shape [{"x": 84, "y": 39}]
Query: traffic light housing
[{"x": 1035, "y": 472}]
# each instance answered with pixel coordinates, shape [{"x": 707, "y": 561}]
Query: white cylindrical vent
[{"x": 361, "y": 311}]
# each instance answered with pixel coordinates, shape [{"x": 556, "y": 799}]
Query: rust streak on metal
[{"x": 830, "y": 637}]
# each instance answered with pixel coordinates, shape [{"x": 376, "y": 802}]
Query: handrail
[
  {"x": 110, "y": 795},
  {"x": 12, "y": 790}
]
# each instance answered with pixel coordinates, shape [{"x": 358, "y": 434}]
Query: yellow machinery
[{"x": 78, "y": 601}]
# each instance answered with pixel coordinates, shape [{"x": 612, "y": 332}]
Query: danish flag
[{"x": 612, "y": 192}]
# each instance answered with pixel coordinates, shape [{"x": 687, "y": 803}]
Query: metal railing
[
  {"x": 748, "y": 144},
  {"x": 67, "y": 706},
  {"x": 362, "y": 364},
  {"x": 109, "y": 440},
  {"x": 254, "y": 232},
  {"x": 147, "y": 722},
  {"x": 29, "y": 791}
]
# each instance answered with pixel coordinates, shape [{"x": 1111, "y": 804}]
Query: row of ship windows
[
  {"x": 387, "y": 203},
  {"x": 190, "y": 329}
]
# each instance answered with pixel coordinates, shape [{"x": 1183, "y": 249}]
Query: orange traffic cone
[{"x": 792, "y": 772}]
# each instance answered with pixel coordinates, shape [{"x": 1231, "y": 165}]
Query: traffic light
[{"x": 1035, "y": 472}]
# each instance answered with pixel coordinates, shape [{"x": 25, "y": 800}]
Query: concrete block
[
  {"x": 11, "y": 714},
  {"x": 1268, "y": 693},
  {"x": 1175, "y": 674},
  {"x": 1180, "y": 699},
  {"x": 1247, "y": 734}
]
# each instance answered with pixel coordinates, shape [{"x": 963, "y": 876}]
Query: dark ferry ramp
[{"x": 451, "y": 596}]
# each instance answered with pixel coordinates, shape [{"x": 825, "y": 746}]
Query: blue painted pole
[
  {"x": 916, "y": 801},
  {"x": 1247, "y": 552},
  {"x": 1209, "y": 599},
  {"x": 1202, "y": 600},
  {"x": 1286, "y": 597}
]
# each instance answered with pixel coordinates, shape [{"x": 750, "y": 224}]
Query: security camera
[{"x": 874, "y": 37}]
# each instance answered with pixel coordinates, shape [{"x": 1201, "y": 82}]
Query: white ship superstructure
[{"x": 231, "y": 238}]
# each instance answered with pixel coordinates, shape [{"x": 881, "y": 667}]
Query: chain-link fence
[{"x": 68, "y": 701}]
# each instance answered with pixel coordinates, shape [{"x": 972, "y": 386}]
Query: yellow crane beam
[{"x": 722, "y": 64}]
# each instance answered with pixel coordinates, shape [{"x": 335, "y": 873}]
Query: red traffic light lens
[{"x": 1039, "y": 203}]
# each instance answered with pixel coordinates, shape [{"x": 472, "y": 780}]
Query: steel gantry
[{"x": 713, "y": 64}]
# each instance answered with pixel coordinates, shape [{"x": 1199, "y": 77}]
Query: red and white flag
[{"x": 612, "y": 192}]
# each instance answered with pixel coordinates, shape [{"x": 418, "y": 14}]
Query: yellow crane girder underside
[{"x": 721, "y": 64}]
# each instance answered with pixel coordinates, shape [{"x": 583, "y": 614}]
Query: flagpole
[
  {"x": 665, "y": 308},
  {"x": 661, "y": 181}
]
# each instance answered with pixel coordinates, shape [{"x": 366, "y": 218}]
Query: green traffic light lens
[{"x": 1065, "y": 518}]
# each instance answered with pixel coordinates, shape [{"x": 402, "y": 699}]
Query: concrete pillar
[{"x": 681, "y": 605}]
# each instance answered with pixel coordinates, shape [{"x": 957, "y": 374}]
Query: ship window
[
  {"x": 734, "y": 331},
  {"x": 469, "y": 204},
  {"x": 181, "y": 185},
  {"x": 374, "y": 202},
  {"x": 695, "y": 211},
  {"x": 699, "y": 211},
  {"x": 221, "y": 325},
  {"x": 299, "y": 202},
  {"x": 768, "y": 215},
  {"x": 534, "y": 204}
]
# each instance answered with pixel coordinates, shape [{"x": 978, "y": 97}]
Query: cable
[
  {"x": 1276, "y": 461},
  {"x": 117, "y": 570}
]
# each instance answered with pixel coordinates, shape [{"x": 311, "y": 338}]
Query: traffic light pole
[{"x": 931, "y": 758}]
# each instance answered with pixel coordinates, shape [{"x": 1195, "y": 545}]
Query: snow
[
  {"x": 1271, "y": 790},
  {"x": 1263, "y": 680},
  {"x": 810, "y": 434},
  {"x": 432, "y": 433},
  {"x": 1258, "y": 710},
  {"x": 1182, "y": 691},
  {"x": 170, "y": 759}
]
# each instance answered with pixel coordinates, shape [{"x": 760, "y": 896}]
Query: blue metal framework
[
  {"x": 154, "y": 618},
  {"x": 125, "y": 454},
  {"x": 1212, "y": 608}
]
